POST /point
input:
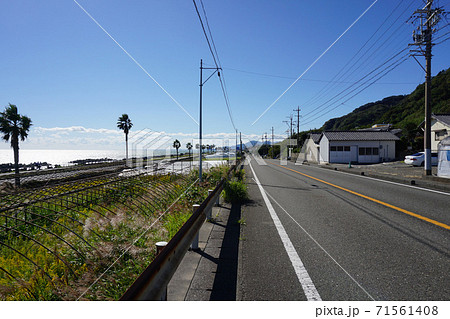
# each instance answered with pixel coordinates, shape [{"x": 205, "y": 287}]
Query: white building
[
  {"x": 440, "y": 129},
  {"x": 357, "y": 147}
]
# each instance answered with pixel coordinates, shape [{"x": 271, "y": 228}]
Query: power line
[
  {"x": 215, "y": 56},
  {"x": 352, "y": 59},
  {"x": 391, "y": 68},
  {"x": 358, "y": 64},
  {"x": 206, "y": 36},
  {"x": 312, "y": 64},
  {"x": 303, "y": 79},
  {"x": 396, "y": 63},
  {"x": 221, "y": 75},
  {"x": 136, "y": 62},
  {"x": 210, "y": 33},
  {"x": 307, "y": 115}
]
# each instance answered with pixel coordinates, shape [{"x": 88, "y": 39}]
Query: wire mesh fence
[{"x": 58, "y": 241}]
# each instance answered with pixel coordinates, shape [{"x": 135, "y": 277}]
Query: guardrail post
[
  {"x": 159, "y": 247},
  {"x": 217, "y": 204},
  {"x": 209, "y": 213},
  {"x": 194, "y": 245}
]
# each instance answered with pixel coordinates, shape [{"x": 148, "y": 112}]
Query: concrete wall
[
  {"x": 357, "y": 151},
  {"x": 311, "y": 151}
]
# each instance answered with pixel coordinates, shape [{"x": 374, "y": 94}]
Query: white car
[{"x": 418, "y": 159}]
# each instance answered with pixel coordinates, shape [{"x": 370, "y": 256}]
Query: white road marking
[
  {"x": 309, "y": 289},
  {"x": 320, "y": 246}
]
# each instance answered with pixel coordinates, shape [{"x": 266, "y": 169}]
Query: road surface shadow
[{"x": 225, "y": 282}]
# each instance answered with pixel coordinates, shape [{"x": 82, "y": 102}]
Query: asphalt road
[{"x": 328, "y": 235}]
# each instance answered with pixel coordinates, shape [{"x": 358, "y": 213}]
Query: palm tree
[
  {"x": 124, "y": 123},
  {"x": 177, "y": 145},
  {"x": 189, "y": 147},
  {"x": 14, "y": 126}
]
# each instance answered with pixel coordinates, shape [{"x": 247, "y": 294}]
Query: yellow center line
[{"x": 372, "y": 199}]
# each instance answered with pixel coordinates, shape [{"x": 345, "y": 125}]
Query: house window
[
  {"x": 440, "y": 135},
  {"x": 340, "y": 148},
  {"x": 368, "y": 151}
]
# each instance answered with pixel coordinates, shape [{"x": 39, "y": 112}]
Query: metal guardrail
[{"x": 152, "y": 283}]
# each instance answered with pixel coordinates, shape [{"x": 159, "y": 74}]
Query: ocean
[
  {"x": 63, "y": 157},
  {"x": 57, "y": 157}
]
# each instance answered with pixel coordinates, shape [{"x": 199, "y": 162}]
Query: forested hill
[{"x": 399, "y": 110}]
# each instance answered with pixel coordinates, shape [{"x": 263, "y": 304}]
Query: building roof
[
  {"x": 360, "y": 136},
  {"x": 315, "y": 137},
  {"x": 444, "y": 118}
]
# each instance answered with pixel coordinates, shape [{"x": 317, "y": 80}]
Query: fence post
[
  {"x": 194, "y": 245},
  {"x": 209, "y": 213},
  {"x": 159, "y": 247}
]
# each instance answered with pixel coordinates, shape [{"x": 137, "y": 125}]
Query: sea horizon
[
  {"x": 57, "y": 156},
  {"x": 63, "y": 157}
]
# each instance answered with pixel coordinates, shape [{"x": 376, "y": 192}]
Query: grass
[
  {"x": 235, "y": 189},
  {"x": 90, "y": 239}
]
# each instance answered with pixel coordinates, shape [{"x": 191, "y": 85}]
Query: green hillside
[{"x": 403, "y": 111}]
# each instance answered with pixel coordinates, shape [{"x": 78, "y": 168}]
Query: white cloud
[
  {"x": 79, "y": 137},
  {"x": 81, "y": 129}
]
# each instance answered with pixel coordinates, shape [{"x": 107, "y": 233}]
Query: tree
[
  {"x": 189, "y": 147},
  {"x": 177, "y": 145},
  {"x": 14, "y": 126},
  {"x": 124, "y": 123}
]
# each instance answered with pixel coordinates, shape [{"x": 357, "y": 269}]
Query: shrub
[
  {"x": 235, "y": 191},
  {"x": 239, "y": 174}
]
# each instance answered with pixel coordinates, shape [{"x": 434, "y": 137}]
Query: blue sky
[{"x": 62, "y": 70}]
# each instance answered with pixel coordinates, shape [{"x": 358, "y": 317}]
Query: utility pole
[
  {"x": 298, "y": 126},
  {"x": 200, "y": 116},
  {"x": 291, "y": 126},
  {"x": 235, "y": 148},
  {"x": 428, "y": 17},
  {"x": 273, "y": 148},
  {"x": 289, "y": 131},
  {"x": 240, "y": 139}
]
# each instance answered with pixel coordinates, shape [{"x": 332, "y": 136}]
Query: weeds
[
  {"x": 235, "y": 189},
  {"x": 90, "y": 238}
]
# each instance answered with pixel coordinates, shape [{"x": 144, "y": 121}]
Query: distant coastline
[
  {"x": 41, "y": 159},
  {"x": 58, "y": 157}
]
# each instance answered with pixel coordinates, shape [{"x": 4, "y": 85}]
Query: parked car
[{"x": 418, "y": 159}]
